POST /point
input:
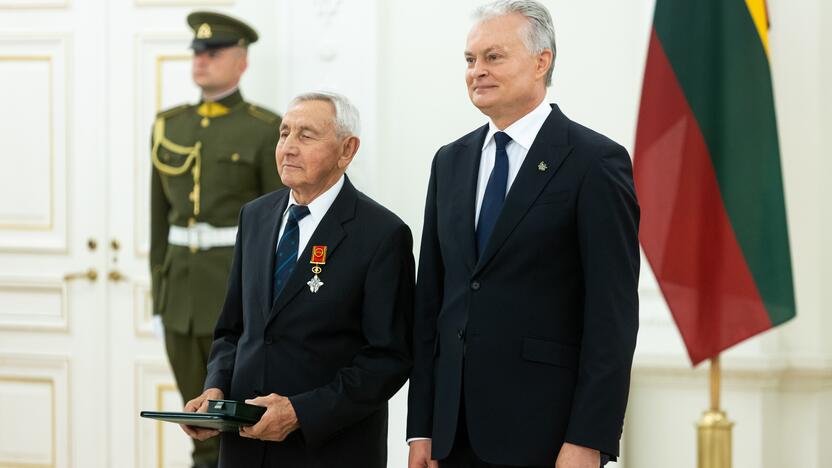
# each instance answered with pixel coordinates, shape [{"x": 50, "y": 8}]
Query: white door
[
  {"x": 80, "y": 82},
  {"x": 53, "y": 319}
]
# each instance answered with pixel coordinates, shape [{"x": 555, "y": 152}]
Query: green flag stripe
[{"x": 716, "y": 52}]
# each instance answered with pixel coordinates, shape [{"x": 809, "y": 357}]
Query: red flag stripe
[{"x": 687, "y": 237}]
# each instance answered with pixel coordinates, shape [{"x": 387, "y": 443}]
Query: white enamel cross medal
[
  {"x": 318, "y": 259},
  {"x": 315, "y": 283}
]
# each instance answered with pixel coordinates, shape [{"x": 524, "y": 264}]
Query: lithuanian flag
[{"x": 707, "y": 173}]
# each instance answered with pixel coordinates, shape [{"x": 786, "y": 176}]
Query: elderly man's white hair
[
  {"x": 539, "y": 35},
  {"x": 347, "y": 121}
]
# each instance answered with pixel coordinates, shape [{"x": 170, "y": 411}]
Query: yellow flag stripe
[{"x": 757, "y": 8}]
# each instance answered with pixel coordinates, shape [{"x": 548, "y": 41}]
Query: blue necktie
[
  {"x": 286, "y": 254},
  {"x": 495, "y": 193}
]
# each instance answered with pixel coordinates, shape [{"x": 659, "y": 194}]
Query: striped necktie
[{"x": 286, "y": 255}]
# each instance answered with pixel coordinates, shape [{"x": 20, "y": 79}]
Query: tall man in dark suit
[
  {"x": 316, "y": 321},
  {"x": 526, "y": 298}
]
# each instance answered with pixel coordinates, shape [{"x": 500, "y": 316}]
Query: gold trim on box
[
  {"x": 30, "y": 226},
  {"x": 38, "y": 287},
  {"x": 160, "y": 435},
  {"x": 53, "y": 453}
]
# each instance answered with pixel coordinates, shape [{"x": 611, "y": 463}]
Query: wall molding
[
  {"x": 47, "y": 235},
  {"x": 57, "y": 323},
  {"x": 179, "y": 3},
  {"x": 153, "y": 382},
  {"x": 52, "y": 371},
  {"x": 789, "y": 373},
  {"x": 142, "y": 310},
  {"x": 153, "y": 50},
  {"x": 33, "y": 4}
]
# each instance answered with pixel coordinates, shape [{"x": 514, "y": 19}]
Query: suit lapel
[
  {"x": 468, "y": 166},
  {"x": 549, "y": 148},
  {"x": 330, "y": 232},
  {"x": 267, "y": 241}
]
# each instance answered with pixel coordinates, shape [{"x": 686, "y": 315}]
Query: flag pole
[{"x": 714, "y": 429}]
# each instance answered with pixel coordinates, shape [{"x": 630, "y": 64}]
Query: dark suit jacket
[
  {"x": 542, "y": 327},
  {"x": 338, "y": 354}
]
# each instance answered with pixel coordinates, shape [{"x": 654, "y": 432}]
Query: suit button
[
  {"x": 460, "y": 334},
  {"x": 475, "y": 285},
  {"x": 269, "y": 340}
]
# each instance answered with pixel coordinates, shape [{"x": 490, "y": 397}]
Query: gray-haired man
[
  {"x": 315, "y": 325},
  {"x": 526, "y": 300}
]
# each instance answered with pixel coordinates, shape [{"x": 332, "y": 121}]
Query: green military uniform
[{"x": 208, "y": 160}]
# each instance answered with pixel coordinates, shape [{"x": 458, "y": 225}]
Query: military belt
[{"x": 202, "y": 236}]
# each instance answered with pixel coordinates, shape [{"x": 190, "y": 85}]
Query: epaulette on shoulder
[
  {"x": 168, "y": 113},
  {"x": 263, "y": 114}
]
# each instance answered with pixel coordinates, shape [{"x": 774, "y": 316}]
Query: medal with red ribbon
[{"x": 318, "y": 259}]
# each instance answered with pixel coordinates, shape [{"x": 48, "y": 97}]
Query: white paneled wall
[{"x": 34, "y": 90}]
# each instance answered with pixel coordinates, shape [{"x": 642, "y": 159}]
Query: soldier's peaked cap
[{"x": 216, "y": 30}]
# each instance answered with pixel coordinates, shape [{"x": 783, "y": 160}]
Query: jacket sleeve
[
  {"x": 159, "y": 226},
  {"x": 229, "y": 326},
  {"x": 607, "y": 218},
  {"x": 429, "y": 294},
  {"x": 381, "y": 367}
]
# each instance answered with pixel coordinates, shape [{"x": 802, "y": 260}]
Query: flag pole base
[{"x": 713, "y": 436}]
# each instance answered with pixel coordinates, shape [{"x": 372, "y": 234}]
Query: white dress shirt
[
  {"x": 522, "y": 133},
  {"x": 317, "y": 209}
]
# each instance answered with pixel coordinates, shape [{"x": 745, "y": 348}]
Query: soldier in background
[{"x": 208, "y": 160}]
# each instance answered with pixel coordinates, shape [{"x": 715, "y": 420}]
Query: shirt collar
[
  {"x": 523, "y": 131},
  {"x": 228, "y": 97},
  {"x": 320, "y": 205}
]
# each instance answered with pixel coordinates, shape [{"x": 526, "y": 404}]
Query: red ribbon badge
[{"x": 318, "y": 255}]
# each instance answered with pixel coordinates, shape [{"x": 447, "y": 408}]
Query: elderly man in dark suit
[
  {"x": 526, "y": 298},
  {"x": 208, "y": 159},
  {"x": 316, "y": 320}
]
